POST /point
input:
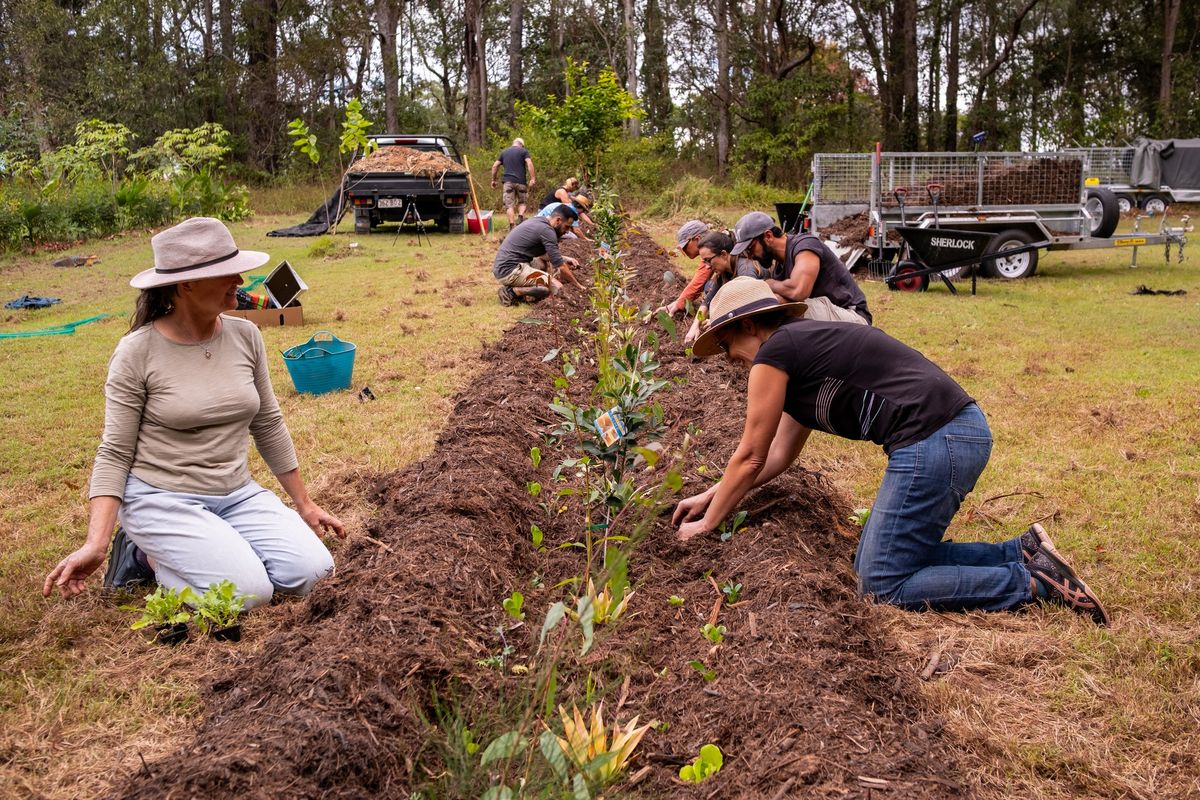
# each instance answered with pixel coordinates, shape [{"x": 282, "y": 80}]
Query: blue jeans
[{"x": 901, "y": 557}]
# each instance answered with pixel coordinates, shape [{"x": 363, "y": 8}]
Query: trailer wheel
[
  {"x": 362, "y": 221},
  {"x": 1154, "y": 204},
  {"x": 1021, "y": 265},
  {"x": 913, "y": 283},
  {"x": 1126, "y": 203},
  {"x": 1104, "y": 211}
]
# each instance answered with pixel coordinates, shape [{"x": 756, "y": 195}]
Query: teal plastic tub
[{"x": 323, "y": 364}]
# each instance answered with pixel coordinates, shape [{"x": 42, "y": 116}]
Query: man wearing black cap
[
  {"x": 802, "y": 267},
  {"x": 528, "y": 258}
]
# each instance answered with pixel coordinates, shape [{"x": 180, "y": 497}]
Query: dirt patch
[
  {"x": 1030, "y": 182},
  {"x": 808, "y": 698},
  {"x": 397, "y": 158},
  {"x": 854, "y": 230}
]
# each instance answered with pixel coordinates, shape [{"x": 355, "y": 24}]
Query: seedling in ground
[
  {"x": 714, "y": 633},
  {"x": 513, "y": 604},
  {"x": 219, "y": 607},
  {"x": 709, "y": 675},
  {"x": 731, "y": 526},
  {"x": 860, "y": 516},
  {"x": 707, "y": 764},
  {"x": 731, "y": 590},
  {"x": 675, "y": 600},
  {"x": 164, "y": 607},
  {"x": 589, "y": 748}
]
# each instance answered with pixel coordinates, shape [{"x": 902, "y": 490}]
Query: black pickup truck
[{"x": 379, "y": 197}]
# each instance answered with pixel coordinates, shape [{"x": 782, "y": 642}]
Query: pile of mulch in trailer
[
  {"x": 854, "y": 230},
  {"x": 1035, "y": 181},
  {"x": 397, "y": 158},
  {"x": 809, "y": 697}
]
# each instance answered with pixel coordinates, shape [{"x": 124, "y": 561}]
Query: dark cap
[{"x": 749, "y": 228}]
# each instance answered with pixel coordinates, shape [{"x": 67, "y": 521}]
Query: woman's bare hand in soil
[
  {"x": 70, "y": 576},
  {"x": 689, "y": 529},
  {"x": 321, "y": 521},
  {"x": 691, "y": 508}
]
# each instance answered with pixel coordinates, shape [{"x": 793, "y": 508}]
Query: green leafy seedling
[
  {"x": 730, "y": 527},
  {"x": 536, "y": 535},
  {"x": 513, "y": 604},
  {"x": 469, "y": 743},
  {"x": 714, "y": 633},
  {"x": 219, "y": 607},
  {"x": 860, "y": 516},
  {"x": 731, "y": 590},
  {"x": 675, "y": 600},
  {"x": 535, "y": 456},
  {"x": 534, "y": 488},
  {"x": 707, "y": 764},
  {"x": 709, "y": 675},
  {"x": 164, "y": 607}
]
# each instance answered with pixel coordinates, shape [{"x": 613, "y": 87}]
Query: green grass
[{"x": 1090, "y": 392}]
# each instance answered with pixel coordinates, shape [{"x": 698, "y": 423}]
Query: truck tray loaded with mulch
[{"x": 358, "y": 692}]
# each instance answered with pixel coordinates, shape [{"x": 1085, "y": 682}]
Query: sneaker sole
[
  {"x": 1066, "y": 570},
  {"x": 1044, "y": 538}
]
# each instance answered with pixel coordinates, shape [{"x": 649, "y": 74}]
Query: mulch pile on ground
[
  {"x": 358, "y": 695},
  {"x": 397, "y": 158}
]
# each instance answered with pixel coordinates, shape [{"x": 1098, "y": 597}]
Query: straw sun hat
[
  {"x": 740, "y": 298},
  {"x": 197, "y": 248}
]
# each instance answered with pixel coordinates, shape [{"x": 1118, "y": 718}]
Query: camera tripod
[{"x": 411, "y": 214}]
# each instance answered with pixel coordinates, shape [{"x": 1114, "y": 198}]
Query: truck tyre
[
  {"x": 458, "y": 223},
  {"x": 362, "y": 221},
  {"x": 443, "y": 222},
  {"x": 1154, "y": 204},
  {"x": 1126, "y": 203},
  {"x": 1102, "y": 205},
  {"x": 1021, "y": 265}
]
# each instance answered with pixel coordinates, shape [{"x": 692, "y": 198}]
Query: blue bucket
[{"x": 322, "y": 364}]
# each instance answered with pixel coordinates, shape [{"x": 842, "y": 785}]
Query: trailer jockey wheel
[{"x": 915, "y": 282}]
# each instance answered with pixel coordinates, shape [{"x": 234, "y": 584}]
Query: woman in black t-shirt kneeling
[{"x": 857, "y": 382}]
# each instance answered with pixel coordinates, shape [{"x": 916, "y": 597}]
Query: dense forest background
[{"x": 748, "y": 88}]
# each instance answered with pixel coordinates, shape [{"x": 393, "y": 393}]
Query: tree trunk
[
  {"x": 1170, "y": 21},
  {"x": 631, "y": 73},
  {"x": 472, "y": 58},
  {"x": 516, "y": 26},
  {"x": 950, "y": 132},
  {"x": 262, "y": 31},
  {"x": 228, "y": 69},
  {"x": 910, "y": 117},
  {"x": 387, "y": 17},
  {"x": 655, "y": 72},
  {"x": 935, "y": 78},
  {"x": 723, "y": 94}
]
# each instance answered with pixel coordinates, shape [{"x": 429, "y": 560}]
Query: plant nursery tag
[{"x": 610, "y": 426}]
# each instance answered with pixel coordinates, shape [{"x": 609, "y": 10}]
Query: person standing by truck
[{"x": 518, "y": 178}]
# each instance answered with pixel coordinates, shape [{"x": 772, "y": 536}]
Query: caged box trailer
[
  {"x": 1151, "y": 174},
  {"x": 1027, "y": 201}
]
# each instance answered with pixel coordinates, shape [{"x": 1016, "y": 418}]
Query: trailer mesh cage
[
  {"x": 1108, "y": 165},
  {"x": 967, "y": 179}
]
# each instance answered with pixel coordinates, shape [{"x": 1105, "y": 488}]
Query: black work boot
[{"x": 127, "y": 566}]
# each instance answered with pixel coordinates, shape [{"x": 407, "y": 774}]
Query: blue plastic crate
[{"x": 323, "y": 364}]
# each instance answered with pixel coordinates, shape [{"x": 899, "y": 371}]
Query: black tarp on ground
[
  {"x": 322, "y": 220},
  {"x": 1166, "y": 162}
]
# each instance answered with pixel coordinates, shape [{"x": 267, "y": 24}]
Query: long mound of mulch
[
  {"x": 397, "y": 158},
  {"x": 350, "y": 699}
]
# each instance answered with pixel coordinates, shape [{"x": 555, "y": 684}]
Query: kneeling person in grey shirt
[{"x": 528, "y": 261}]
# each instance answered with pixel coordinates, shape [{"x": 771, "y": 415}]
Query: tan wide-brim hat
[
  {"x": 740, "y": 298},
  {"x": 197, "y": 248}
]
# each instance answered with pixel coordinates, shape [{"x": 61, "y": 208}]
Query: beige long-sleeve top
[{"x": 179, "y": 420}]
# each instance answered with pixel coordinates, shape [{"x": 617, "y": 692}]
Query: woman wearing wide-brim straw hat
[
  {"x": 187, "y": 387},
  {"x": 857, "y": 382}
]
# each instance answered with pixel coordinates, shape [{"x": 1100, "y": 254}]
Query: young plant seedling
[
  {"x": 218, "y": 609},
  {"x": 860, "y": 516},
  {"x": 513, "y": 604},
  {"x": 675, "y": 601},
  {"x": 731, "y": 526},
  {"x": 731, "y": 590},
  {"x": 709, "y": 675},
  {"x": 589, "y": 748},
  {"x": 714, "y": 633},
  {"x": 707, "y": 764},
  {"x": 165, "y": 611},
  {"x": 497, "y": 660}
]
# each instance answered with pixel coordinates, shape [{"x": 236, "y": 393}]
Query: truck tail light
[{"x": 361, "y": 201}]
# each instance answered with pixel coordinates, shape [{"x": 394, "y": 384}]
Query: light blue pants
[{"x": 249, "y": 537}]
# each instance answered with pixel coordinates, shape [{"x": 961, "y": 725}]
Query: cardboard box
[
  {"x": 272, "y": 317},
  {"x": 283, "y": 287}
]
